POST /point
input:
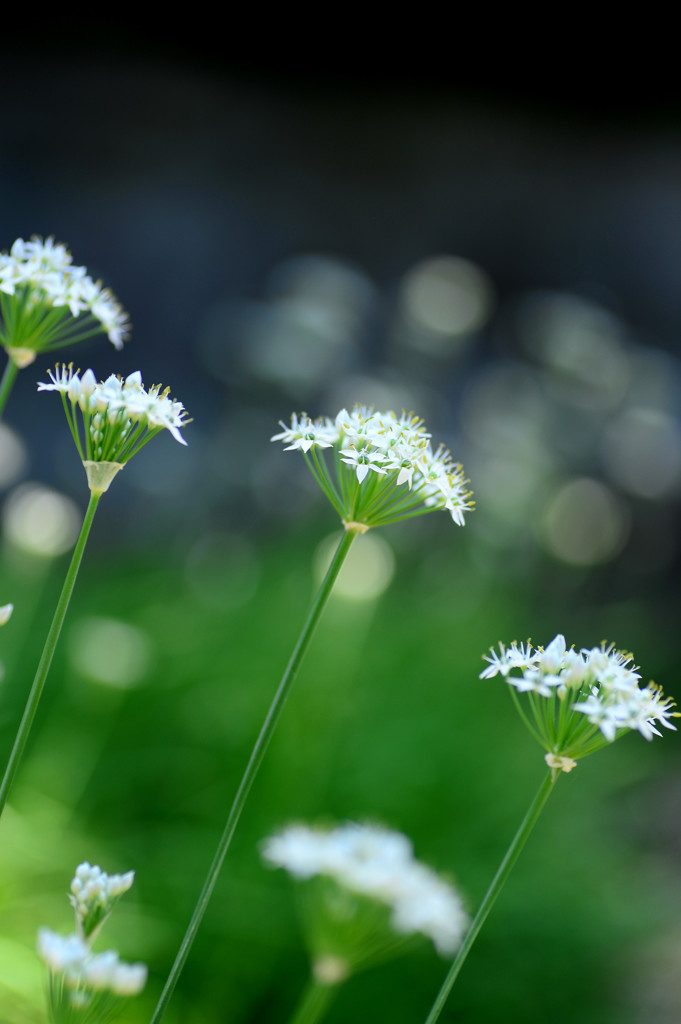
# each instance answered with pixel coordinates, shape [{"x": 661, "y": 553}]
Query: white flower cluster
[
  {"x": 46, "y": 269},
  {"x": 396, "y": 448},
  {"x": 71, "y": 956},
  {"x": 379, "y": 864},
  {"x": 116, "y": 411},
  {"x": 605, "y": 677},
  {"x": 93, "y": 894},
  {"x": 80, "y": 978}
]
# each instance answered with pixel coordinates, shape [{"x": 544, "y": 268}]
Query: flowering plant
[
  {"x": 46, "y": 302},
  {"x": 118, "y": 418},
  {"x": 365, "y": 897},
  {"x": 383, "y": 468},
  {"x": 84, "y": 985},
  {"x": 578, "y": 701}
]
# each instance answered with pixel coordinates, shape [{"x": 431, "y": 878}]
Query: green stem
[
  {"x": 8, "y": 378},
  {"x": 314, "y": 1002},
  {"x": 48, "y": 652},
  {"x": 495, "y": 888},
  {"x": 255, "y": 760}
]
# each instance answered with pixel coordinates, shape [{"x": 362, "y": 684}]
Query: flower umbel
[
  {"x": 118, "y": 418},
  {"x": 366, "y": 894},
  {"x": 383, "y": 466},
  {"x": 577, "y": 702},
  {"x": 46, "y": 302}
]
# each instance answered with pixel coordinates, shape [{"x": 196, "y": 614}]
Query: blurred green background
[{"x": 509, "y": 272}]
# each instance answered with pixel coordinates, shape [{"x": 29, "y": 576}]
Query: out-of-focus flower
[
  {"x": 5, "y": 613},
  {"x": 118, "y": 418},
  {"x": 378, "y": 865},
  {"x": 46, "y": 302},
  {"x": 93, "y": 894},
  {"x": 384, "y": 468},
  {"x": 579, "y": 701},
  {"x": 82, "y": 969},
  {"x": 84, "y": 985}
]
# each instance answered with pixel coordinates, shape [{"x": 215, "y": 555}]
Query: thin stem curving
[{"x": 255, "y": 760}]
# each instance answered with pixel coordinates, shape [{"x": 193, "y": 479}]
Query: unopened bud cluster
[{"x": 93, "y": 894}]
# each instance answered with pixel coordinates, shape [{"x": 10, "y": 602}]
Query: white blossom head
[
  {"x": 85, "y": 981},
  {"x": 93, "y": 895},
  {"x": 111, "y": 420},
  {"x": 366, "y": 890},
  {"x": 5, "y": 613},
  {"x": 377, "y": 468},
  {"x": 575, "y": 702},
  {"x": 46, "y": 302}
]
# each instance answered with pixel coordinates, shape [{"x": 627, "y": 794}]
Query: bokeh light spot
[
  {"x": 642, "y": 452},
  {"x": 41, "y": 521},
  {"x": 13, "y": 458},
  {"x": 447, "y": 295},
  {"x": 367, "y": 570},
  {"x": 581, "y": 344},
  {"x": 584, "y": 523},
  {"x": 109, "y": 651}
]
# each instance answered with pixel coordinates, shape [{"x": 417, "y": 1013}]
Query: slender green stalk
[
  {"x": 495, "y": 888},
  {"x": 255, "y": 760},
  {"x": 48, "y": 652},
  {"x": 314, "y": 1002},
  {"x": 8, "y": 378}
]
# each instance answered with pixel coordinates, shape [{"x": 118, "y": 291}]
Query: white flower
[
  {"x": 362, "y": 460},
  {"x": 5, "y": 613},
  {"x": 119, "y": 415},
  {"x": 604, "y": 685},
  {"x": 62, "y": 953},
  {"x": 71, "y": 957},
  {"x": 375, "y": 445},
  {"x": 378, "y": 864},
  {"x": 533, "y": 680},
  {"x": 304, "y": 434},
  {"x": 40, "y": 273},
  {"x": 551, "y": 659},
  {"x": 128, "y": 979},
  {"x": 516, "y": 656}
]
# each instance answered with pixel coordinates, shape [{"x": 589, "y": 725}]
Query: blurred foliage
[{"x": 388, "y": 722}]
